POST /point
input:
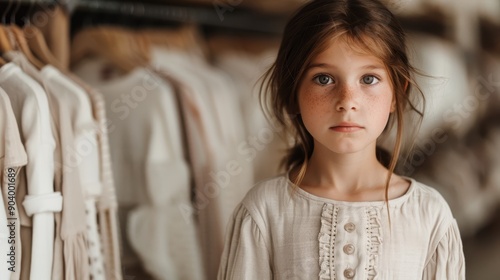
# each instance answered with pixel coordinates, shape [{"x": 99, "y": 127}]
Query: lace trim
[
  {"x": 374, "y": 229},
  {"x": 326, "y": 239}
]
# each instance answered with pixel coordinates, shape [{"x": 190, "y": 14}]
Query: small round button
[
  {"x": 349, "y": 227},
  {"x": 349, "y": 273},
  {"x": 349, "y": 249}
]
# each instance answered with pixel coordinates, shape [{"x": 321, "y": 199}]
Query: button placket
[{"x": 349, "y": 249}]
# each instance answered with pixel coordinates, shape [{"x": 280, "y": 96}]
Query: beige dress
[
  {"x": 282, "y": 232},
  {"x": 107, "y": 204}
]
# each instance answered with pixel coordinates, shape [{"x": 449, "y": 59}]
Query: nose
[{"x": 346, "y": 99}]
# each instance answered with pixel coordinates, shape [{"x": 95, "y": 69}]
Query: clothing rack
[
  {"x": 212, "y": 17},
  {"x": 17, "y": 11}
]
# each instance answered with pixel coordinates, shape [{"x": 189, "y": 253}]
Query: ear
[{"x": 406, "y": 85}]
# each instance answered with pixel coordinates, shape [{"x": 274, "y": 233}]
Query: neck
[{"x": 345, "y": 173}]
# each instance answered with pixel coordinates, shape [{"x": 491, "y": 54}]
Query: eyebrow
[{"x": 326, "y": 65}]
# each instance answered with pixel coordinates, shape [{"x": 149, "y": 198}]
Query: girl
[{"x": 341, "y": 77}]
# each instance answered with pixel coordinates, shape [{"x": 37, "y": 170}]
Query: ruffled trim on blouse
[
  {"x": 326, "y": 239},
  {"x": 374, "y": 242}
]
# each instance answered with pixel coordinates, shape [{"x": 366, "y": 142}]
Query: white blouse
[
  {"x": 280, "y": 231},
  {"x": 30, "y": 106},
  {"x": 12, "y": 158}
]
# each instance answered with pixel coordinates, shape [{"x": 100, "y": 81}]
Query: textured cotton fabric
[
  {"x": 280, "y": 231},
  {"x": 265, "y": 144},
  {"x": 107, "y": 205},
  {"x": 12, "y": 158},
  {"x": 36, "y": 184},
  {"x": 72, "y": 228},
  {"x": 151, "y": 173},
  {"x": 222, "y": 172},
  {"x": 67, "y": 179},
  {"x": 87, "y": 154}
]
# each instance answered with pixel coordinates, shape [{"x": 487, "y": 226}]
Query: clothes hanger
[
  {"x": 20, "y": 41},
  {"x": 121, "y": 47},
  {"x": 56, "y": 32},
  {"x": 22, "y": 44},
  {"x": 185, "y": 38},
  {"x": 249, "y": 44},
  {"x": 5, "y": 42},
  {"x": 38, "y": 46}
]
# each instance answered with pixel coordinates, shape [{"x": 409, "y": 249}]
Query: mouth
[{"x": 347, "y": 127}]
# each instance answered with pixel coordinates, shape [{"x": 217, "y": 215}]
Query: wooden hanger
[
  {"x": 38, "y": 46},
  {"x": 185, "y": 38},
  {"x": 22, "y": 45},
  {"x": 56, "y": 34},
  {"x": 248, "y": 44},
  {"x": 5, "y": 42},
  {"x": 121, "y": 47}
]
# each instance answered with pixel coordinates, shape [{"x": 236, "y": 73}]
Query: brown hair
[{"x": 367, "y": 24}]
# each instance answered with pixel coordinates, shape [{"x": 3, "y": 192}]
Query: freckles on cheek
[{"x": 316, "y": 101}]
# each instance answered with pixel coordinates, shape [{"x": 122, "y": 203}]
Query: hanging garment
[
  {"x": 265, "y": 145},
  {"x": 87, "y": 152},
  {"x": 107, "y": 205},
  {"x": 31, "y": 109},
  {"x": 446, "y": 88},
  {"x": 12, "y": 158},
  {"x": 69, "y": 240},
  {"x": 152, "y": 176},
  {"x": 86, "y": 245},
  {"x": 228, "y": 174}
]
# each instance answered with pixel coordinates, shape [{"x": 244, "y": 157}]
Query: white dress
[{"x": 280, "y": 231}]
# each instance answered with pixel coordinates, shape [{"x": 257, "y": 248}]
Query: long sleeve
[
  {"x": 447, "y": 261},
  {"x": 246, "y": 254}
]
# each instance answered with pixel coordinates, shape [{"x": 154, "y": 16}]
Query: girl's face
[{"x": 345, "y": 99}]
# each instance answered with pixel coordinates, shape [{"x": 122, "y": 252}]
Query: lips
[{"x": 347, "y": 127}]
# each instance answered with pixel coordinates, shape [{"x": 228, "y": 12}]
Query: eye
[
  {"x": 370, "y": 80},
  {"x": 323, "y": 80}
]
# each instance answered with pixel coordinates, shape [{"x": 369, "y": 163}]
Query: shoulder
[
  {"x": 430, "y": 204},
  {"x": 264, "y": 192},
  {"x": 267, "y": 197}
]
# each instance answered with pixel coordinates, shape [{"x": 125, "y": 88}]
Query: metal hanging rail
[{"x": 237, "y": 17}]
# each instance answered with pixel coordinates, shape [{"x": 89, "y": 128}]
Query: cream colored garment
[
  {"x": 29, "y": 102},
  {"x": 226, "y": 175},
  {"x": 67, "y": 178},
  {"x": 12, "y": 158},
  {"x": 72, "y": 127},
  {"x": 265, "y": 144},
  {"x": 107, "y": 205},
  {"x": 19, "y": 59},
  {"x": 88, "y": 159},
  {"x": 449, "y": 99},
  {"x": 279, "y": 233},
  {"x": 152, "y": 176}
]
